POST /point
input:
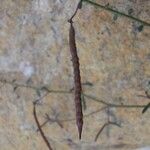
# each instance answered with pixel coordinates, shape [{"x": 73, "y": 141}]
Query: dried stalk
[
  {"x": 79, "y": 6},
  {"x": 39, "y": 127},
  {"x": 89, "y": 97},
  {"x": 102, "y": 128},
  {"x": 54, "y": 120},
  {"x": 117, "y": 12}
]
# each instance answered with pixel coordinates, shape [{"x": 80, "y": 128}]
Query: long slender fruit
[{"x": 77, "y": 79}]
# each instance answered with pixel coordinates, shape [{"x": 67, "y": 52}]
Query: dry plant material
[
  {"x": 54, "y": 120},
  {"x": 146, "y": 108},
  {"x": 77, "y": 79},
  {"x": 102, "y": 128},
  {"x": 39, "y": 127},
  {"x": 76, "y": 69}
]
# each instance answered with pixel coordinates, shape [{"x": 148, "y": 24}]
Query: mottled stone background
[{"x": 115, "y": 67}]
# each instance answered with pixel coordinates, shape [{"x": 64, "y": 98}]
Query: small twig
[
  {"x": 117, "y": 12},
  {"x": 72, "y": 119},
  {"x": 111, "y": 104},
  {"x": 17, "y": 84},
  {"x": 39, "y": 127},
  {"x": 102, "y": 128},
  {"x": 54, "y": 120},
  {"x": 78, "y": 7},
  {"x": 146, "y": 108},
  {"x": 69, "y": 92}
]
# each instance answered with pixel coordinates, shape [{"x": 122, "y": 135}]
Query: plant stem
[
  {"x": 111, "y": 104},
  {"x": 102, "y": 128},
  {"x": 39, "y": 127},
  {"x": 69, "y": 92},
  {"x": 117, "y": 12}
]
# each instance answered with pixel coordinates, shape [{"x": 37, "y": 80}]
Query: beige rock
[{"x": 114, "y": 57}]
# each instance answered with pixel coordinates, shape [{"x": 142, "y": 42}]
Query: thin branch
[
  {"x": 69, "y": 92},
  {"x": 78, "y": 7},
  {"x": 54, "y": 120},
  {"x": 73, "y": 119},
  {"x": 18, "y": 84},
  {"x": 117, "y": 12},
  {"x": 102, "y": 128},
  {"x": 39, "y": 127},
  {"x": 146, "y": 108},
  {"x": 111, "y": 104},
  {"x": 42, "y": 88}
]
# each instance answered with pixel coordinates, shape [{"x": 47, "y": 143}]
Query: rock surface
[{"x": 115, "y": 67}]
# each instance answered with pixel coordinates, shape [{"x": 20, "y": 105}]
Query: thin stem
[
  {"x": 54, "y": 120},
  {"x": 90, "y": 97},
  {"x": 111, "y": 104},
  {"x": 78, "y": 7},
  {"x": 73, "y": 119},
  {"x": 117, "y": 12},
  {"x": 18, "y": 84},
  {"x": 42, "y": 88},
  {"x": 39, "y": 127},
  {"x": 102, "y": 128}
]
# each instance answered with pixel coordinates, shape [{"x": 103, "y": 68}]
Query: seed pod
[{"x": 77, "y": 79}]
